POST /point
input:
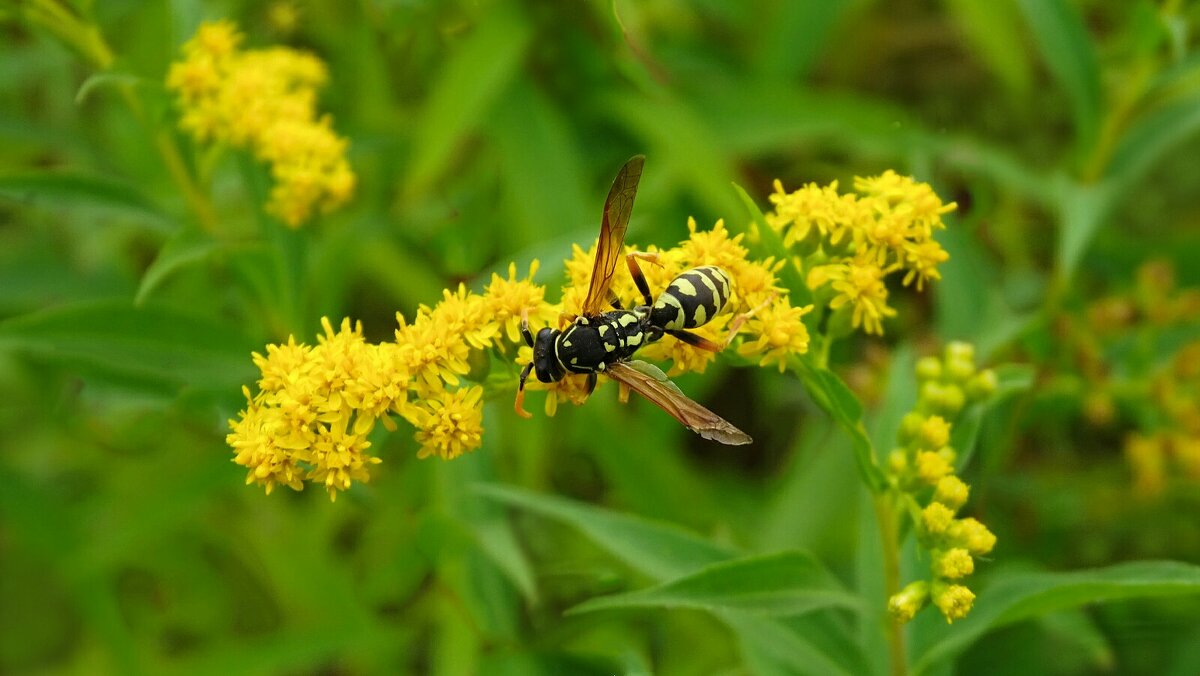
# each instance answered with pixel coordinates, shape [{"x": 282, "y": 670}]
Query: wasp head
[{"x": 545, "y": 361}]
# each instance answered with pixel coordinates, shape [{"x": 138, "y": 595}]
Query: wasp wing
[
  {"x": 650, "y": 382},
  {"x": 611, "y": 245}
]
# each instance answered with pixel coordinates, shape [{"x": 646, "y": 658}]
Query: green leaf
[
  {"x": 1011, "y": 379},
  {"x": 1083, "y": 207},
  {"x": 772, "y": 647},
  {"x": 993, "y": 29},
  {"x": 59, "y": 189},
  {"x": 462, "y": 92},
  {"x": 1025, "y": 595},
  {"x": 153, "y": 347},
  {"x": 787, "y": 583},
  {"x": 540, "y": 164},
  {"x": 1146, "y": 141},
  {"x": 659, "y": 550},
  {"x": 1062, "y": 39},
  {"x": 184, "y": 248},
  {"x": 836, "y": 399}
]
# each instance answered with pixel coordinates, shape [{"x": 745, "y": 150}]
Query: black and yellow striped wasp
[{"x": 599, "y": 341}]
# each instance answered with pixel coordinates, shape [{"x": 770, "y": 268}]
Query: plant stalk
[{"x": 889, "y": 533}]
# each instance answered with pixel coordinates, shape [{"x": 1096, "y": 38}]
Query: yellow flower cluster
[
  {"x": 264, "y": 100},
  {"x": 315, "y": 406},
  {"x": 921, "y": 471},
  {"x": 849, "y": 243}
]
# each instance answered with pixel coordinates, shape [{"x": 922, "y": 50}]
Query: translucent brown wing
[
  {"x": 650, "y": 382},
  {"x": 614, "y": 222}
]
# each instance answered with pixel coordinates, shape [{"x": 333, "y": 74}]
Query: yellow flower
[
  {"x": 954, "y": 601},
  {"x": 972, "y": 535},
  {"x": 256, "y": 447},
  {"x": 813, "y": 213},
  {"x": 935, "y": 432},
  {"x": 314, "y": 408},
  {"x": 858, "y": 284},
  {"x": 952, "y": 492},
  {"x": 916, "y": 200},
  {"x": 932, "y": 466},
  {"x": 922, "y": 259},
  {"x": 265, "y": 101},
  {"x": 713, "y": 247},
  {"x": 779, "y": 332},
  {"x": 936, "y": 518},
  {"x": 449, "y": 423},
  {"x": 506, "y": 299},
  {"x": 339, "y": 456},
  {"x": 953, "y": 564},
  {"x": 430, "y": 352}
]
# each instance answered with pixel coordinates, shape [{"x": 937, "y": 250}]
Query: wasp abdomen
[{"x": 692, "y": 299}]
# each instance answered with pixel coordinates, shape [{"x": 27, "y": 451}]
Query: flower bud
[
  {"x": 951, "y": 491},
  {"x": 905, "y": 604},
  {"x": 929, "y": 368},
  {"x": 982, "y": 386},
  {"x": 954, "y": 601},
  {"x": 953, "y": 564},
  {"x": 936, "y": 518}
]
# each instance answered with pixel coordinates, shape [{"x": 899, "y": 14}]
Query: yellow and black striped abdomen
[{"x": 692, "y": 299}]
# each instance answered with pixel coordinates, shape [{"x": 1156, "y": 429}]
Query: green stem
[{"x": 889, "y": 533}]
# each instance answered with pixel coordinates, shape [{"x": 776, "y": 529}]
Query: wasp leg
[
  {"x": 636, "y": 272},
  {"x": 614, "y": 301},
  {"x": 695, "y": 340},
  {"x": 737, "y": 322},
  {"x": 591, "y": 383},
  {"x": 519, "y": 404},
  {"x": 525, "y": 327}
]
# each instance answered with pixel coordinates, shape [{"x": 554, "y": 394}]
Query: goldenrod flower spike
[
  {"x": 849, "y": 243},
  {"x": 921, "y": 471}
]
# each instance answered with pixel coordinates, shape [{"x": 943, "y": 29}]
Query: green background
[{"x": 487, "y": 132}]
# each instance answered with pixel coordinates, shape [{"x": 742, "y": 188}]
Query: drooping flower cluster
[
  {"x": 921, "y": 472},
  {"x": 264, "y": 101},
  {"x": 849, "y": 243},
  {"x": 315, "y": 406}
]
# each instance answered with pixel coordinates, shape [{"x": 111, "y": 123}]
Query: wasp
[{"x": 601, "y": 340}]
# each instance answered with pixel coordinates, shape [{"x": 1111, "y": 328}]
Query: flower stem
[{"x": 889, "y": 533}]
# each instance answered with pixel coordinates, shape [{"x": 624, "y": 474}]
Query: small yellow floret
[
  {"x": 954, "y": 601},
  {"x": 953, "y": 564}
]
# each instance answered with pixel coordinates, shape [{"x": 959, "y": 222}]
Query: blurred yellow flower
[{"x": 264, "y": 101}]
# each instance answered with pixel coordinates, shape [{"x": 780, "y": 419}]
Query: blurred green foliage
[{"x": 485, "y": 132}]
